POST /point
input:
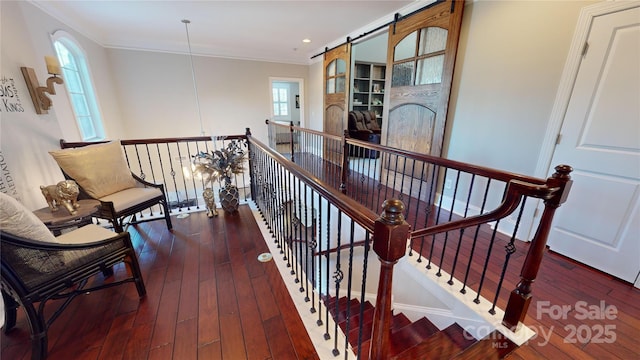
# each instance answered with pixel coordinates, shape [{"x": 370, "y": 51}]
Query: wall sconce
[{"x": 41, "y": 101}]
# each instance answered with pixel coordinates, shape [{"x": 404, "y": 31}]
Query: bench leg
[
  {"x": 10, "y": 310},
  {"x": 167, "y": 216},
  {"x": 39, "y": 341}
]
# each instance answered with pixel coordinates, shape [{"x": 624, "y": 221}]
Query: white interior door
[{"x": 599, "y": 224}]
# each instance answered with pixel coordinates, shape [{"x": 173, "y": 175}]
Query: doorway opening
[{"x": 287, "y": 100}]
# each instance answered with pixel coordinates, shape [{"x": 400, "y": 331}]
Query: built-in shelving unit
[{"x": 368, "y": 87}]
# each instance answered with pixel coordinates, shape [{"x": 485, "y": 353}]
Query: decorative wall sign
[
  {"x": 10, "y": 101},
  {"x": 7, "y": 184}
]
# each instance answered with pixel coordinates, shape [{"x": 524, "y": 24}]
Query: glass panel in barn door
[
  {"x": 422, "y": 50},
  {"x": 335, "y": 97}
]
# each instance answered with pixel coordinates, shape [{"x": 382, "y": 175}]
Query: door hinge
[
  {"x": 558, "y": 139},
  {"x": 585, "y": 48}
]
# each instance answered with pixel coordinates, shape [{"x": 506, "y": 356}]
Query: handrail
[
  {"x": 436, "y": 178},
  {"x": 361, "y": 214},
  {"x": 458, "y": 165},
  {"x": 515, "y": 191},
  {"x": 70, "y": 144},
  {"x": 292, "y": 127}
]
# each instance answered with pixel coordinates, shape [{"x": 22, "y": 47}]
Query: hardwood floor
[{"x": 209, "y": 298}]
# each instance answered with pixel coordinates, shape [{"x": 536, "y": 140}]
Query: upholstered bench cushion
[
  {"x": 100, "y": 169},
  {"x": 130, "y": 197},
  {"x": 86, "y": 235}
]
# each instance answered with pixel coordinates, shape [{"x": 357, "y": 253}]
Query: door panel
[
  {"x": 336, "y": 92},
  {"x": 421, "y": 55},
  {"x": 600, "y": 223}
]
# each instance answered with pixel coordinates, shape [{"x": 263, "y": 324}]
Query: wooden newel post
[
  {"x": 521, "y": 297},
  {"x": 389, "y": 242}
]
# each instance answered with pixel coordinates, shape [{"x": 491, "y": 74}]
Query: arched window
[{"x": 77, "y": 79}]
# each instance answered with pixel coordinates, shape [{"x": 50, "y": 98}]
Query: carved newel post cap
[
  {"x": 562, "y": 171},
  {"x": 392, "y": 211}
]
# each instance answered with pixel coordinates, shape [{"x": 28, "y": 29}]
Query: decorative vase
[
  {"x": 229, "y": 198},
  {"x": 209, "y": 199}
]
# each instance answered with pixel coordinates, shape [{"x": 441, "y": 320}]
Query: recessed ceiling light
[{"x": 306, "y": 41}]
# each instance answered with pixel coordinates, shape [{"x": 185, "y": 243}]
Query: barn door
[
  {"x": 420, "y": 58},
  {"x": 336, "y": 92}
]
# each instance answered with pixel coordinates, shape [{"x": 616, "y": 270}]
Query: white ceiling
[{"x": 257, "y": 30}]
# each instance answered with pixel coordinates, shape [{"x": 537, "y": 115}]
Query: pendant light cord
[{"x": 193, "y": 74}]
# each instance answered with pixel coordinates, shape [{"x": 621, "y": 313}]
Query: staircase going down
[{"x": 420, "y": 339}]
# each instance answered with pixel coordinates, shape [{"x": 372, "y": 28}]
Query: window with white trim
[
  {"x": 79, "y": 86},
  {"x": 281, "y": 101}
]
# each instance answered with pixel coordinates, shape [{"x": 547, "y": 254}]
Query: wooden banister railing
[
  {"x": 322, "y": 211},
  {"x": 521, "y": 296},
  {"x": 447, "y": 202},
  {"x": 168, "y": 161}
]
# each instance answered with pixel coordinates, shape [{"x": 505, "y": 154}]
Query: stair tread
[
  {"x": 413, "y": 333},
  {"x": 409, "y": 335},
  {"x": 493, "y": 346},
  {"x": 330, "y": 302},
  {"x": 354, "y": 320},
  {"x": 398, "y": 321},
  {"x": 352, "y": 310},
  {"x": 437, "y": 346},
  {"x": 459, "y": 336}
]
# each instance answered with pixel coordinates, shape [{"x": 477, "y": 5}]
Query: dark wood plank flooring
[{"x": 208, "y": 298}]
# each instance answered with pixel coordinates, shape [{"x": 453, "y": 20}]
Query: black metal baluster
[
  {"x": 475, "y": 238},
  {"x": 395, "y": 179},
  {"x": 363, "y": 291},
  {"x": 298, "y": 243},
  {"x": 289, "y": 225},
  {"x": 437, "y": 221},
  {"x": 510, "y": 249},
  {"x": 322, "y": 292},
  {"x": 312, "y": 248},
  {"x": 327, "y": 336},
  {"x": 415, "y": 220},
  {"x": 453, "y": 204},
  {"x": 349, "y": 284},
  {"x": 489, "y": 253},
  {"x": 172, "y": 172},
  {"x": 164, "y": 180},
  {"x": 337, "y": 277},
  {"x": 466, "y": 211}
]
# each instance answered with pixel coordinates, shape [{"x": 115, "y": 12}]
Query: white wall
[
  {"x": 156, "y": 93},
  {"x": 140, "y": 94},
  {"x": 25, "y": 137},
  {"x": 510, "y": 58},
  {"x": 315, "y": 95},
  {"x": 371, "y": 49}
]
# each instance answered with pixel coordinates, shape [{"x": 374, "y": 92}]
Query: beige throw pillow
[
  {"x": 19, "y": 221},
  {"x": 99, "y": 169}
]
